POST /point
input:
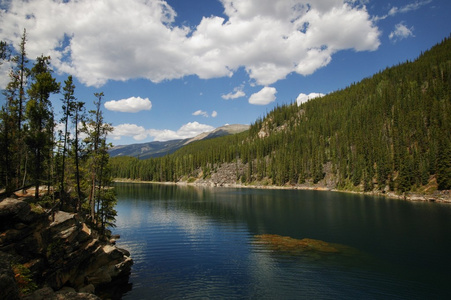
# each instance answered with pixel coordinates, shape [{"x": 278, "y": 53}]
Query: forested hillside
[{"x": 388, "y": 132}]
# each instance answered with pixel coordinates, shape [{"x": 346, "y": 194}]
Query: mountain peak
[{"x": 158, "y": 149}]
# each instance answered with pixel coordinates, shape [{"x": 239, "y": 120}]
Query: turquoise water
[{"x": 192, "y": 242}]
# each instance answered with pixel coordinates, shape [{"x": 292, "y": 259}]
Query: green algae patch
[{"x": 292, "y": 246}]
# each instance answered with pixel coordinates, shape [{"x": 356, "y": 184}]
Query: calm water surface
[{"x": 191, "y": 242}]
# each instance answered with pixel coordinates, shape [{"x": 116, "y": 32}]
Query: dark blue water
[{"x": 190, "y": 242}]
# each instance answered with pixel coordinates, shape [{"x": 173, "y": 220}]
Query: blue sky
[{"x": 176, "y": 68}]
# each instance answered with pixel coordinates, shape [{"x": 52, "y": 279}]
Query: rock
[
  {"x": 90, "y": 288},
  {"x": 8, "y": 286},
  {"x": 62, "y": 218},
  {"x": 86, "y": 229},
  {"x": 47, "y": 293},
  {"x": 59, "y": 250},
  {"x": 10, "y": 207},
  {"x": 66, "y": 289},
  {"x": 124, "y": 251},
  {"x": 76, "y": 296},
  {"x": 101, "y": 276},
  {"x": 14, "y": 211},
  {"x": 41, "y": 294}
]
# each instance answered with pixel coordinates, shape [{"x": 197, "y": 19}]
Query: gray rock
[
  {"x": 10, "y": 207},
  {"x": 14, "y": 211},
  {"x": 60, "y": 250}
]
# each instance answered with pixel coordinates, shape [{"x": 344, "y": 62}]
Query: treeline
[
  {"x": 34, "y": 152},
  {"x": 388, "y": 132}
]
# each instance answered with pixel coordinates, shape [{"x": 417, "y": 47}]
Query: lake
[{"x": 198, "y": 242}]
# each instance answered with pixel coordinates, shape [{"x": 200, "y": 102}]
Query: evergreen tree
[
  {"x": 444, "y": 165},
  {"x": 40, "y": 116},
  {"x": 12, "y": 146},
  {"x": 78, "y": 116},
  {"x": 97, "y": 132},
  {"x": 68, "y": 108}
]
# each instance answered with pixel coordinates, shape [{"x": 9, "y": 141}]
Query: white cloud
[
  {"x": 132, "y": 104},
  {"x": 192, "y": 129},
  {"x": 237, "y": 93},
  {"x": 408, "y": 7},
  {"x": 304, "y": 97},
  {"x": 139, "y": 133},
  {"x": 200, "y": 113},
  {"x": 131, "y": 130},
  {"x": 404, "y": 9},
  {"x": 265, "y": 96},
  {"x": 5, "y": 68},
  {"x": 204, "y": 113},
  {"x": 401, "y": 32},
  {"x": 103, "y": 40}
]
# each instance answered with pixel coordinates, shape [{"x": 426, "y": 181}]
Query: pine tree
[
  {"x": 40, "y": 116},
  {"x": 444, "y": 165},
  {"x": 97, "y": 131},
  {"x": 78, "y": 116},
  {"x": 68, "y": 108}
]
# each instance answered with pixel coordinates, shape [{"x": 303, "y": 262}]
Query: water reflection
[{"x": 200, "y": 242}]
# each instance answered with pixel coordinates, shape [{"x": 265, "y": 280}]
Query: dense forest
[
  {"x": 34, "y": 152},
  {"x": 390, "y": 132}
]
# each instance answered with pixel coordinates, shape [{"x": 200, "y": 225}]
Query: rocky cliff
[{"x": 42, "y": 253}]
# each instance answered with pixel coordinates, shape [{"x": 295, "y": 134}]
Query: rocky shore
[
  {"x": 226, "y": 174},
  {"x": 55, "y": 255}
]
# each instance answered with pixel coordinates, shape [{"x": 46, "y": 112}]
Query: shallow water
[{"x": 194, "y": 242}]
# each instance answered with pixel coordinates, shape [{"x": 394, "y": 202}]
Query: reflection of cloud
[{"x": 190, "y": 223}]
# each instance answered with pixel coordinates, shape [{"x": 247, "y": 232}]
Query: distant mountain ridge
[{"x": 159, "y": 149}]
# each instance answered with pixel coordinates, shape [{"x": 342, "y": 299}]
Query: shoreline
[{"x": 438, "y": 197}]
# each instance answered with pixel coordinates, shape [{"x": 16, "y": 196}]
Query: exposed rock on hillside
[{"x": 55, "y": 252}]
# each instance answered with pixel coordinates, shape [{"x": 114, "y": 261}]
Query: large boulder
[{"x": 13, "y": 211}]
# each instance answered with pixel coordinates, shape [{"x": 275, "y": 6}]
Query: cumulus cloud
[
  {"x": 103, "y": 40},
  {"x": 304, "y": 97},
  {"x": 214, "y": 114},
  {"x": 265, "y": 96},
  {"x": 5, "y": 68},
  {"x": 139, "y": 133},
  {"x": 130, "y": 130},
  {"x": 401, "y": 32},
  {"x": 132, "y": 104}
]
